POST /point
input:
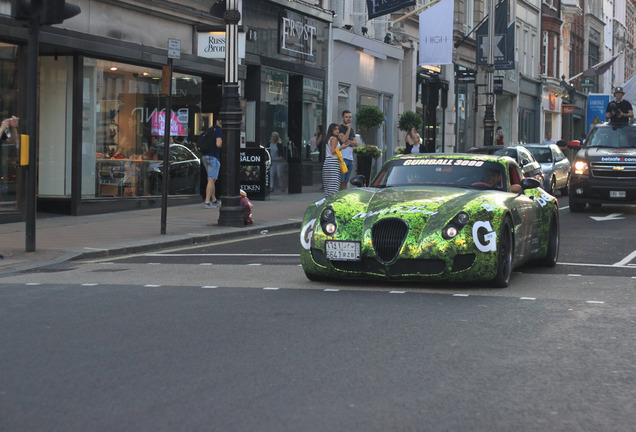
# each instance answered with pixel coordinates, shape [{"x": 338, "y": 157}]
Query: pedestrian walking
[{"x": 212, "y": 162}]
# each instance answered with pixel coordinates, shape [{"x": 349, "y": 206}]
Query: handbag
[{"x": 343, "y": 165}]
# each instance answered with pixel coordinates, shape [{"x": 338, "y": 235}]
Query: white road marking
[
  {"x": 460, "y": 295},
  {"x": 563, "y": 208},
  {"x": 397, "y": 292},
  {"x": 527, "y": 298},
  {"x": 574, "y": 274},
  {"x": 255, "y": 264},
  {"x": 152, "y": 286},
  {"x": 331, "y": 290},
  {"x": 271, "y": 289},
  {"x": 626, "y": 260},
  {"x": 89, "y": 284},
  {"x": 209, "y": 286},
  {"x": 594, "y": 302},
  {"x": 596, "y": 265},
  {"x": 34, "y": 283},
  {"x": 154, "y": 263},
  {"x": 613, "y": 216},
  {"x": 208, "y": 264}
]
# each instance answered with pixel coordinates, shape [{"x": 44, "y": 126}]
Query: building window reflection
[{"x": 123, "y": 131}]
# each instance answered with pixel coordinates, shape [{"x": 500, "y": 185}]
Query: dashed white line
[
  {"x": 397, "y": 292},
  {"x": 527, "y": 298},
  {"x": 89, "y": 284},
  {"x": 574, "y": 275},
  {"x": 460, "y": 295},
  {"x": 153, "y": 263},
  {"x": 209, "y": 286},
  {"x": 206, "y": 264},
  {"x": 331, "y": 290},
  {"x": 34, "y": 283},
  {"x": 255, "y": 264},
  {"x": 151, "y": 286},
  {"x": 271, "y": 289},
  {"x": 595, "y": 302}
]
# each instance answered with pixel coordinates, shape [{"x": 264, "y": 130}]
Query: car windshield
[
  {"x": 465, "y": 173},
  {"x": 541, "y": 154},
  {"x": 507, "y": 152},
  {"x": 612, "y": 136}
]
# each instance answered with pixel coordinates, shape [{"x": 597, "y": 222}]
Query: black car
[
  {"x": 604, "y": 170},
  {"x": 529, "y": 165},
  {"x": 184, "y": 170}
]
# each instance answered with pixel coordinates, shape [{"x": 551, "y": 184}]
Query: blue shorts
[
  {"x": 347, "y": 176},
  {"x": 212, "y": 166}
]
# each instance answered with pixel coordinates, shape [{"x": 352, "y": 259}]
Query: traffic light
[
  {"x": 56, "y": 11},
  {"x": 46, "y": 12}
]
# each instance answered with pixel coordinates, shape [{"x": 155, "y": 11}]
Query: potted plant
[{"x": 368, "y": 117}]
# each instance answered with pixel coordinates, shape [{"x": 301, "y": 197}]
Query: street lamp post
[
  {"x": 230, "y": 213},
  {"x": 489, "y": 115}
]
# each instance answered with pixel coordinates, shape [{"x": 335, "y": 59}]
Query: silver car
[{"x": 555, "y": 166}]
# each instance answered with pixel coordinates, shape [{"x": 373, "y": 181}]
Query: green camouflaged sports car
[{"x": 458, "y": 217}]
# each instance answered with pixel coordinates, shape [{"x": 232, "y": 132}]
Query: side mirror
[
  {"x": 357, "y": 180},
  {"x": 530, "y": 183}
]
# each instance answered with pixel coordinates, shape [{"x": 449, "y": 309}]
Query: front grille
[
  {"x": 387, "y": 236},
  {"x": 613, "y": 170}
]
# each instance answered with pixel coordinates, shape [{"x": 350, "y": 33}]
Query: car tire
[
  {"x": 552, "y": 187},
  {"x": 552, "y": 253},
  {"x": 504, "y": 256},
  {"x": 565, "y": 189},
  {"x": 576, "y": 207}
]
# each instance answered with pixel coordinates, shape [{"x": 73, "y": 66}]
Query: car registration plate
[
  {"x": 617, "y": 194},
  {"x": 342, "y": 250}
]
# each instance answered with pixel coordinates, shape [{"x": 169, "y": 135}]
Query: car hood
[
  {"x": 432, "y": 204},
  {"x": 604, "y": 154}
]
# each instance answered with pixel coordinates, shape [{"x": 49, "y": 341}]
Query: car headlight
[
  {"x": 581, "y": 167},
  {"x": 455, "y": 226},
  {"x": 328, "y": 221}
]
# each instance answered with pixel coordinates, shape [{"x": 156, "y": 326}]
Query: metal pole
[
  {"x": 166, "y": 152},
  {"x": 230, "y": 213},
  {"x": 489, "y": 115},
  {"x": 32, "y": 129}
]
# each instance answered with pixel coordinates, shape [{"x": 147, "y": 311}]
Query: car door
[
  {"x": 529, "y": 166},
  {"x": 561, "y": 167},
  {"x": 524, "y": 215}
]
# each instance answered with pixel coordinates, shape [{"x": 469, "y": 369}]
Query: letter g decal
[{"x": 490, "y": 238}]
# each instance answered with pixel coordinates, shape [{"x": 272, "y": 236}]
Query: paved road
[{"x": 233, "y": 337}]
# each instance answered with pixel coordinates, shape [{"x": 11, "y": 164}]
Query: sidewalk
[{"x": 63, "y": 238}]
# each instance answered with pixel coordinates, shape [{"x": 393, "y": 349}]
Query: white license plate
[
  {"x": 617, "y": 194},
  {"x": 342, "y": 250}
]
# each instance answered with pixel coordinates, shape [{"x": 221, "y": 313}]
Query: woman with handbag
[{"x": 331, "y": 166}]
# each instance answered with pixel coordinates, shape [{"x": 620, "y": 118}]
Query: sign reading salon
[
  {"x": 297, "y": 35},
  {"x": 212, "y": 45}
]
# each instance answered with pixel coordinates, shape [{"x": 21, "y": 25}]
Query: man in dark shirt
[
  {"x": 619, "y": 111},
  {"x": 212, "y": 165}
]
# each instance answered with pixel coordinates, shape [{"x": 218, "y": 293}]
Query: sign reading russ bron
[
  {"x": 212, "y": 45},
  {"x": 297, "y": 36}
]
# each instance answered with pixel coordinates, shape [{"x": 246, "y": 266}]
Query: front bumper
[{"x": 586, "y": 189}]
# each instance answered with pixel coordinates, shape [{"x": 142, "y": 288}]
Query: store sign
[
  {"x": 212, "y": 45},
  {"x": 567, "y": 109},
  {"x": 297, "y": 36}
]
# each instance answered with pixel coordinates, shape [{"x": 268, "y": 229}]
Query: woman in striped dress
[{"x": 331, "y": 166}]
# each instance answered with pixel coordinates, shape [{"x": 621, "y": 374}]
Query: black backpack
[{"x": 206, "y": 141}]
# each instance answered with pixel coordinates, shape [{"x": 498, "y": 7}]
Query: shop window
[
  {"x": 9, "y": 147},
  {"x": 124, "y": 127}
]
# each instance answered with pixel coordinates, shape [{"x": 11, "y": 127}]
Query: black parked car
[
  {"x": 184, "y": 170},
  {"x": 604, "y": 170},
  {"x": 529, "y": 165}
]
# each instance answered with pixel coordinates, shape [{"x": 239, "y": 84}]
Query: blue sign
[{"x": 596, "y": 106}]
